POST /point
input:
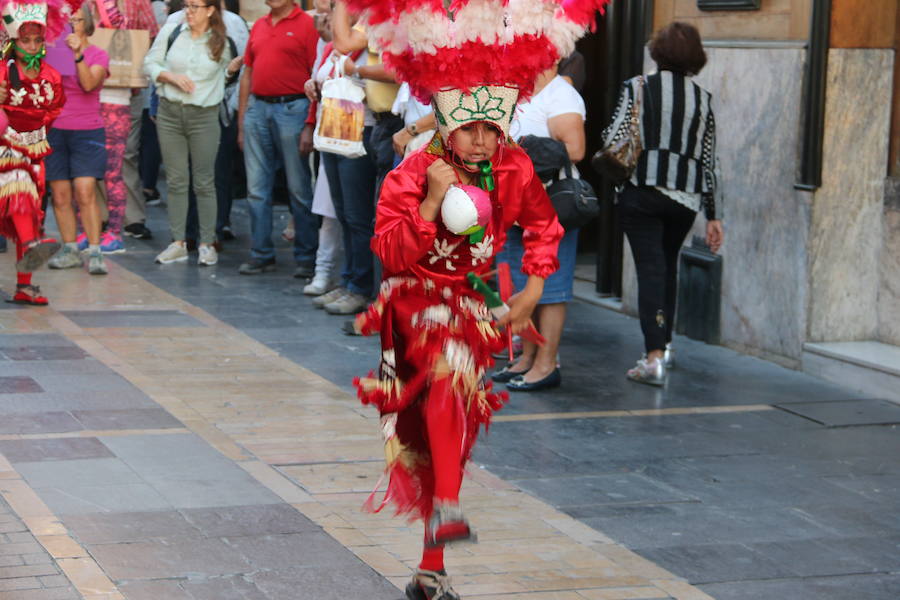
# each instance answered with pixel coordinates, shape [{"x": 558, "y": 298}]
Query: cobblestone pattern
[{"x": 27, "y": 571}]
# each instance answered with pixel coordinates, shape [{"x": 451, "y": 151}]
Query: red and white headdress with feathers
[
  {"x": 472, "y": 58},
  {"x": 53, "y": 15}
]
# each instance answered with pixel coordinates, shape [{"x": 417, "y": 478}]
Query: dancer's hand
[
  {"x": 440, "y": 177},
  {"x": 522, "y": 304},
  {"x": 4, "y": 91}
]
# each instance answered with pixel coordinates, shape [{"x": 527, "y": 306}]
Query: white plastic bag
[{"x": 340, "y": 126}]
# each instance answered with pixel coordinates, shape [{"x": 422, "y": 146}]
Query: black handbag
[{"x": 575, "y": 201}]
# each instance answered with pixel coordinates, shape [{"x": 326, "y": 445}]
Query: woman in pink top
[{"x": 78, "y": 141}]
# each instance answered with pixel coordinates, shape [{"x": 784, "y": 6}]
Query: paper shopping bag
[{"x": 126, "y": 49}]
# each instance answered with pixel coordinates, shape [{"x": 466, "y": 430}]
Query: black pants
[
  {"x": 382, "y": 143},
  {"x": 151, "y": 156},
  {"x": 656, "y": 227}
]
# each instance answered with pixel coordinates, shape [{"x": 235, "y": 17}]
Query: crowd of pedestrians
[{"x": 226, "y": 97}]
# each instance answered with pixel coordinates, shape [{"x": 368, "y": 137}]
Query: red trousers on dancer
[
  {"x": 26, "y": 231},
  {"x": 445, "y": 424}
]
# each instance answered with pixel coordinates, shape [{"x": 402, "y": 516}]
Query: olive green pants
[{"x": 189, "y": 139}]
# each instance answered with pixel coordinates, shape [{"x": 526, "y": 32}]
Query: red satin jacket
[
  {"x": 37, "y": 103},
  {"x": 409, "y": 245}
]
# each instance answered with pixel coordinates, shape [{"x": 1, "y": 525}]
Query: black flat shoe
[
  {"x": 504, "y": 375},
  {"x": 518, "y": 383}
]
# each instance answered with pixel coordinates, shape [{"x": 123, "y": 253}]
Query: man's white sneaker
[
  {"x": 174, "y": 253},
  {"x": 208, "y": 255}
]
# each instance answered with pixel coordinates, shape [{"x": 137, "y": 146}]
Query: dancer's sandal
[
  {"x": 38, "y": 251},
  {"x": 430, "y": 585},
  {"x": 448, "y": 525},
  {"x": 30, "y": 295}
]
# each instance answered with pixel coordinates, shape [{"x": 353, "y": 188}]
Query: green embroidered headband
[{"x": 494, "y": 104}]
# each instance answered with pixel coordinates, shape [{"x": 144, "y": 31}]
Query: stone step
[{"x": 870, "y": 367}]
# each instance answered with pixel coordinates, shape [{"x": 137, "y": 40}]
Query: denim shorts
[
  {"x": 76, "y": 153},
  {"x": 557, "y": 287}
]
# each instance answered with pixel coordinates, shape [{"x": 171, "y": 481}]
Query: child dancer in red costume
[
  {"x": 31, "y": 97},
  {"x": 472, "y": 59}
]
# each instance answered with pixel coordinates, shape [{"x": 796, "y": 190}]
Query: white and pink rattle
[{"x": 466, "y": 210}]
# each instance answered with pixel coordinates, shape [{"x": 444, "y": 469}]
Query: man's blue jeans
[
  {"x": 270, "y": 131},
  {"x": 352, "y": 183}
]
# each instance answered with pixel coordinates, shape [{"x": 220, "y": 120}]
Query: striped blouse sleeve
[{"x": 711, "y": 192}]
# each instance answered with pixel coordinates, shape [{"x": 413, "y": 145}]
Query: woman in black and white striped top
[{"x": 676, "y": 175}]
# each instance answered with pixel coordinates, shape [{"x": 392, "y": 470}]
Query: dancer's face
[
  {"x": 31, "y": 38},
  {"x": 475, "y": 142}
]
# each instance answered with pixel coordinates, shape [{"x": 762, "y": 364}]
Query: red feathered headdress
[{"x": 461, "y": 44}]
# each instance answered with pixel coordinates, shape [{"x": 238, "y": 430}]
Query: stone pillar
[{"x": 846, "y": 238}]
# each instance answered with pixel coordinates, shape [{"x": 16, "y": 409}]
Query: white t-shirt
[
  {"x": 557, "y": 98},
  {"x": 408, "y": 107},
  {"x": 120, "y": 96}
]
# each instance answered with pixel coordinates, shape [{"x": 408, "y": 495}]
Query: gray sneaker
[
  {"x": 651, "y": 373},
  {"x": 329, "y": 297},
  {"x": 96, "y": 266},
  {"x": 66, "y": 258},
  {"x": 175, "y": 252},
  {"x": 348, "y": 304}
]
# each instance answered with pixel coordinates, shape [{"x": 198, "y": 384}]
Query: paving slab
[
  {"x": 810, "y": 588},
  {"x": 169, "y": 557},
  {"x": 253, "y": 520},
  {"x": 123, "y": 527},
  {"x": 138, "y": 418},
  {"x": 19, "y": 385},
  {"x": 43, "y": 422},
  {"x": 69, "y": 474},
  {"x": 131, "y": 318},
  {"x": 84, "y": 499},
  {"x": 42, "y": 353},
  {"x": 18, "y": 451},
  {"x": 848, "y": 413}
]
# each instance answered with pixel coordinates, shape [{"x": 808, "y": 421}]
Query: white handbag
[{"x": 339, "y": 129}]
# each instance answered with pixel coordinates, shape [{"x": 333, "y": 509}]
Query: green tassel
[
  {"x": 475, "y": 238},
  {"x": 485, "y": 174}
]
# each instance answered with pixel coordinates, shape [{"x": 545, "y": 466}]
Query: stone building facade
[{"x": 811, "y": 273}]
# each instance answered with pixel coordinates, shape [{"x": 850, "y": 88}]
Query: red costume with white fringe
[
  {"x": 428, "y": 309},
  {"x": 23, "y": 144},
  {"x": 472, "y": 59},
  {"x": 31, "y": 106}
]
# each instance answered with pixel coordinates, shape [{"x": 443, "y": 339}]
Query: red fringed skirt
[
  {"x": 21, "y": 178},
  {"x": 421, "y": 321}
]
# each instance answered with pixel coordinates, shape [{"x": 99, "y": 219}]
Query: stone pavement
[
  {"x": 26, "y": 568},
  {"x": 191, "y": 433}
]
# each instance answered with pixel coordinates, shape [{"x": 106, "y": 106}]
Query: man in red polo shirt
[{"x": 271, "y": 116}]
